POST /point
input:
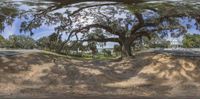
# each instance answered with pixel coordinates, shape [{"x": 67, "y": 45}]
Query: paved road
[
  {"x": 6, "y": 52},
  {"x": 189, "y": 52}
]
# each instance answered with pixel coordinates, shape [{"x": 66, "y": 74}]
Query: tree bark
[{"x": 126, "y": 51}]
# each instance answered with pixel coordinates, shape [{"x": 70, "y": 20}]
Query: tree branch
[
  {"x": 78, "y": 1},
  {"x": 140, "y": 23},
  {"x": 82, "y": 8},
  {"x": 107, "y": 28},
  {"x": 102, "y": 40}
]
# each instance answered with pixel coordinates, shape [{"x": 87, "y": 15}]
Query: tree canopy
[
  {"x": 191, "y": 41},
  {"x": 20, "y": 41},
  {"x": 121, "y": 21}
]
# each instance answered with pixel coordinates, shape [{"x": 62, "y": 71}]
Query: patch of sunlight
[
  {"x": 90, "y": 71},
  {"x": 132, "y": 82}
]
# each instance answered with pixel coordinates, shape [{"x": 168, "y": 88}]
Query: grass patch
[
  {"x": 97, "y": 57},
  {"x": 83, "y": 57}
]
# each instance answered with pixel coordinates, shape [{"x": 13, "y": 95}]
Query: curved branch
[
  {"x": 107, "y": 28},
  {"x": 148, "y": 33},
  {"x": 102, "y": 40},
  {"x": 140, "y": 23},
  {"x": 90, "y": 6},
  {"x": 78, "y": 1}
]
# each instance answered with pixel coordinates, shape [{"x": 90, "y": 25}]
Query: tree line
[
  {"x": 53, "y": 42},
  {"x": 50, "y": 43}
]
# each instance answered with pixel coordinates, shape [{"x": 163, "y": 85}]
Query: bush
[{"x": 107, "y": 52}]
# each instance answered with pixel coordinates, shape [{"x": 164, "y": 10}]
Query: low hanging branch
[
  {"x": 106, "y": 28},
  {"x": 101, "y": 40},
  {"x": 68, "y": 2}
]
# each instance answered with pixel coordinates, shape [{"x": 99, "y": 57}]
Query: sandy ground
[{"x": 147, "y": 76}]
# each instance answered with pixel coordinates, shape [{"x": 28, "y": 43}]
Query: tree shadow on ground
[
  {"x": 17, "y": 62},
  {"x": 91, "y": 77},
  {"x": 154, "y": 69}
]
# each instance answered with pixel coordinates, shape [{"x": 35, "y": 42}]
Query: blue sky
[{"x": 14, "y": 29}]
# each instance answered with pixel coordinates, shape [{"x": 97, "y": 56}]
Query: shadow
[
  {"x": 9, "y": 53},
  {"x": 154, "y": 73},
  {"x": 179, "y": 52},
  {"x": 15, "y": 62},
  {"x": 172, "y": 73},
  {"x": 156, "y": 69}
]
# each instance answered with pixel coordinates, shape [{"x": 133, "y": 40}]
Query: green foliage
[
  {"x": 117, "y": 49},
  {"x": 21, "y": 41},
  {"x": 160, "y": 45},
  {"x": 167, "y": 8},
  {"x": 154, "y": 42},
  {"x": 52, "y": 42},
  {"x": 191, "y": 41},
  {"x": 7, "y": 14},
  {"x": 2, "y": 41},
  {"x": 92, "y": 46},
  {"x": 107, "y": 52},
  {"x": 157, "y": 42},
  {"x": 140, "y": 20},
  {"x": 43, "y": 43},
  {"x": 18, "y": 41}
]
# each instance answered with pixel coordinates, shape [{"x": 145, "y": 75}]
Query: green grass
[
  {"x": 84, "y": 57},
  {"x": 97, "y": 57}
]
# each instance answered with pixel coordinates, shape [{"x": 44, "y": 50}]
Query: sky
[{"x": 47, "y": 30}]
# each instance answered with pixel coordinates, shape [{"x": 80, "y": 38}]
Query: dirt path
[
  {"x": 97, "y": 97},
  {"x": 152, "y": 75}
]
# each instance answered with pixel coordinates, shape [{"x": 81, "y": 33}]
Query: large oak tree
[{"x": 79, "y": 19}]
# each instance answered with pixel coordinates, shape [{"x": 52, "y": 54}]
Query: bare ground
[{"x": 147, "y": 76}]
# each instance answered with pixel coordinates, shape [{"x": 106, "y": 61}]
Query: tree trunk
[{"x": 126, "y": 49}]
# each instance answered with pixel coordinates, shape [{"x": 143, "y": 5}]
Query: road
[
  {"x": 188, "y": 52},
  {"x": 9, "y": 52}
]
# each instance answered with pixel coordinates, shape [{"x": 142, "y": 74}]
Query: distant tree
[
  {"x": 43, "y": 43},
  {"x": 2, "y": 41},
  {"x": 107, "y": 52},
  {"x": 76, "y": 48},
  {"x": 140, "y": 43},
  {"x": 21, "y": 41},
  {"x": 104, "y": 52},
  {"x": 191, "y": 41},
  {"x": 158, "y": 42},
  {"x": 51, "y": 42},
  {"x": 92, "y": 46},
  {"x": 55, "y": 41},
  {"x": 117, "y": 49}
]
